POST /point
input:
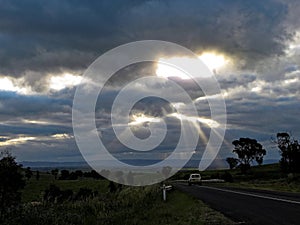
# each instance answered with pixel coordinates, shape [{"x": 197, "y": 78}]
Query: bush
[
  {"x": 227, "y": 177},
  {"x": 54, "y": 194}
]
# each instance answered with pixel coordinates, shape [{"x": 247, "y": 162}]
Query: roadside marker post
[{"x": 164, "y": 190}]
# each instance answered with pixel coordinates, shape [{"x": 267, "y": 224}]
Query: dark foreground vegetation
[{"x": 57, "y": 198}]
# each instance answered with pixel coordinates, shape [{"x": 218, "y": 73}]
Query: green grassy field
[{"x": 130, "y": 205}]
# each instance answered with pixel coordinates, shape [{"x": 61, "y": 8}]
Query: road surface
[{"x": 249, "y": 206}]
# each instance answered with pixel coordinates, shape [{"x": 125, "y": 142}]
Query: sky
[{"x": 252, "y": 47}]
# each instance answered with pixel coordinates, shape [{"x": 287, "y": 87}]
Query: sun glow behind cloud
[
  {"x": 212, "y": 60},
  {"x": 165, "y": 70},
  {"x": 140, "y": 118}
]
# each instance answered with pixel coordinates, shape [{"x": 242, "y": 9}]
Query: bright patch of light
[
  {"x": 138, "y": 119},
  {"x": 209, "y": 122},
  {"x": 61, "y": 82},
  {"x": 290, "y": 81},
  {"x": 16, "y": 141},
  {"x": 206, "y": 98},
  {"x": 36, "y": 122},
  {"x": 178, "y": 105},
  {"x": 213, "y": 60},
  {"x": 61, "y": 136},
  {"x": 7, "y": 84},
  {"x": 165, "y": 70},
  {"x": 256, "y": 89}
]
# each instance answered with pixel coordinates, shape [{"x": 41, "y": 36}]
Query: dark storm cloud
[
  {"x": 43, "y": 38},
  {"x": 18, "y": 114},
  {"x": 58, "y": 35},
  {"x": 33, "y": 129},
  {"x": 20, "y": 105},
  {"x": 232, "y": 81}
]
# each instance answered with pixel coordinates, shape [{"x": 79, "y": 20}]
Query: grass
[
  {"x": 34, "y": 189},
  {"x": 183, "y": 209},
  {"x": 128, "y": 206}
]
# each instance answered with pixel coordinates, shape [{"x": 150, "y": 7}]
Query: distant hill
[{"x": 46, "y": 166}]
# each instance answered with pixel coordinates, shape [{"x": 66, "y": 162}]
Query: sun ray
[{"x": 140, "y": 118}]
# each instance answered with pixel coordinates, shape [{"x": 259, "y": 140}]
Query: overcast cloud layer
[{"x": 41, "y": 41}]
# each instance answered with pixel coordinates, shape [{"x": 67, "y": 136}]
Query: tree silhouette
[
  {"x": 248, "y": 150},
  {"x": 79, "y": 173},
  {"x": 11, "y": 182},
  {"x": 289, "y": 151}
]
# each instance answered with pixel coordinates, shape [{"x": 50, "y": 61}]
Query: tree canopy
[
  {"x": 289, "y": 151},
  {"x": 11, "y": 183},
  {"x": 248, "y": 150}
]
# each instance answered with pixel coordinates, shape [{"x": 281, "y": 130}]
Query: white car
[{"x": 195, "y": 178}]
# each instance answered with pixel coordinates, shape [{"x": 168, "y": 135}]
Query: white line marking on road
[{"x": 253, "y": 195}]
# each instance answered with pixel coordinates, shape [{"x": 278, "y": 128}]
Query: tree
[
  {"x": 289, "y": 151},
  {"x": 11, "y": 183},
  {"x": 248, "y": 150},
  {"x": 55, "y": 173},
  {"x": 79, "y": 173},
  {"x": 28, "y": 173},
  {"x": 233, "y": 162}
]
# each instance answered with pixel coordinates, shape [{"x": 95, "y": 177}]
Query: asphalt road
[{"x": 249, "y": 206}]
